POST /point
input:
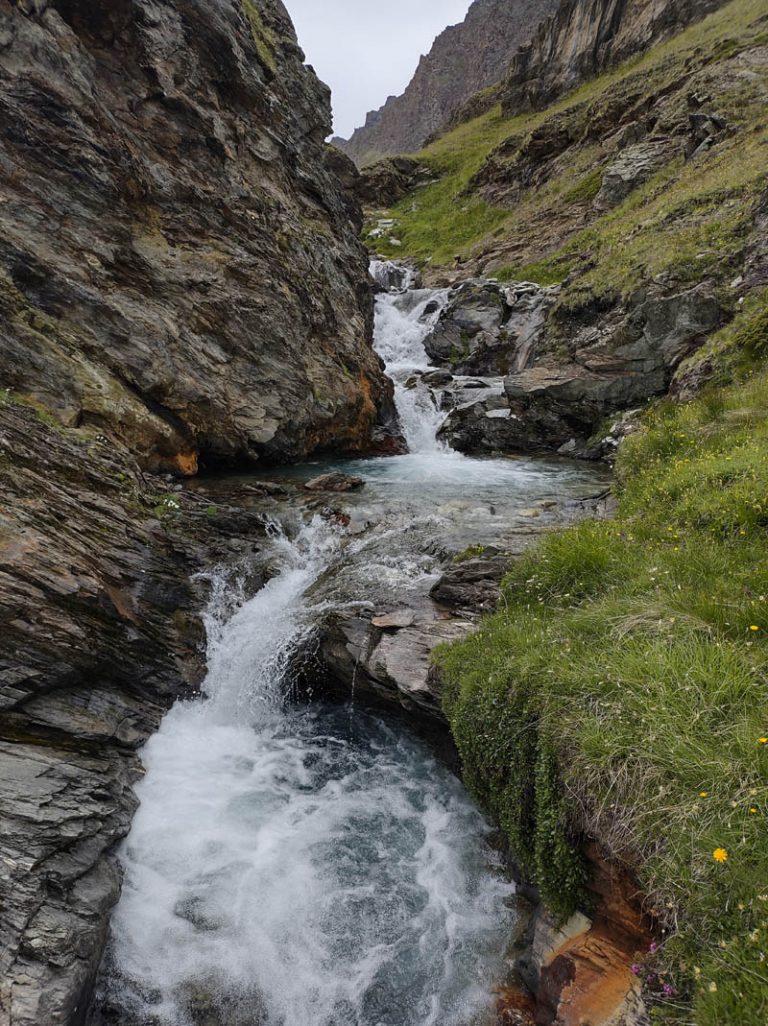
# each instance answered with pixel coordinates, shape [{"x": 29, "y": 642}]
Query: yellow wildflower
[
  {"x": 720, "y": 855},
  {"x": 703, "y": 794}
]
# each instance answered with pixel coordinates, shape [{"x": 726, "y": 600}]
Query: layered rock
[
  {"x": 490, "y": 329},
  {"x": 464, "y": 59},
  {"x": 100, "y": 632},
  {"x": 550, "y": 374},
  {"x": 179, "y": 264},
  {"x": 180, "y": 282},
  {"x": 581, "y": 40}
]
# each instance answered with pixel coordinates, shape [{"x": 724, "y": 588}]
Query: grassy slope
[
  {"x": 623, "y": 691},
  {"x": 682, "y": 221}
]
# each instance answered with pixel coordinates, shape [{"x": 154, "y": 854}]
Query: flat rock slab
[
  {"x": 335, "y": 483},
  {"x": 396, "y": 621}
]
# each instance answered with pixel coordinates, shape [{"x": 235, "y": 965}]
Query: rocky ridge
[
  {"x": 464, "y": 59},
  {"x": 581, "y": 40},
  {"x": 180, "y": 266}
]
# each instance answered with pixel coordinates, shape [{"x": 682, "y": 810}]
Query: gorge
[{"x": 383, "y": 621}]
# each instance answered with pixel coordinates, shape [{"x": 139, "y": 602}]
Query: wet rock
[
  {"x": 393, "y": 666},
  {"x": 335, "y": 483},
  {"x": 615, "y": 365},
  {"x": 579, "y": 971},
  {"x": 395, "y": 621},
  {"x": 437, "y": 378},
  {"x": 488, "y": 328},
  {"x": 473, "y": 584}
]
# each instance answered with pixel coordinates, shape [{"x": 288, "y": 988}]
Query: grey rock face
[
  {"x": 582, "y": 39},
  {"x": 464, "y": 59},
  {"x": 488, "y": 328},
  {"x": 179, "y": 264},
  {"x": 635, "y": 166},
  {"x": 384, "y": 183},
  {"x": 557, "y": 401},
  {"x": 473, "y": 584},
  {"x": 100, "y": 633}
]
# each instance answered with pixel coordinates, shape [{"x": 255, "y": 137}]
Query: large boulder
[
  {"x": 488, "y": 328},
  {"x": 384, "y": 183},
  {"x": 550, "y": 404}
]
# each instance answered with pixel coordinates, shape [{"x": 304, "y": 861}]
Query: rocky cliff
[
  {"x": 180, "y": 281},
  {"x": 582, "y": 39},
  {"x": 464, "y": 59},
  {"x": 179, "y": 266}
]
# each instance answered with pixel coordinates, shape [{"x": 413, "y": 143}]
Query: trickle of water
[{"x": 294, "y": 866}]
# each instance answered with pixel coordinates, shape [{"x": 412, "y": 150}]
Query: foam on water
[
  {"x": 290, "y": 867},
  {"x": 403, "y": 321}
]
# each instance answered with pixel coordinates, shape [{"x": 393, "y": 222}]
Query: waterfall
[
  {"x": 405, "y": 316},
  {"x": 296, "y": 865}
]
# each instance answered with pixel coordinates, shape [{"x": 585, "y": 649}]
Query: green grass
[
  {"x": 264, "y": 37},
  {"x": 623, "y": 691}
]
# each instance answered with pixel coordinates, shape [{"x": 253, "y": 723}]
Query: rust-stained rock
[{"x": 580, "y": 972}]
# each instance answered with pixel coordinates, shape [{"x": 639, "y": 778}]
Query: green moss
[
  {"x": 621, "y": 692},
  {"x": 263, "y": 36},
  {"x": 472, "y": 552},
  {"x": 586, "y": 188}
]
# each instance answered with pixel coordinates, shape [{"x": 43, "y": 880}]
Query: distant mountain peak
[{"x": 464, "y": 59}]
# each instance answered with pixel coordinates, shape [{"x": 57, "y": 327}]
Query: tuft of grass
[
  {"x": 622, "y": 693},
  {"x": 471, "y": 552},
  {"x": 264, "y": 37}
]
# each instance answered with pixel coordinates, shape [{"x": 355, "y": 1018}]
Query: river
[{"x": 314, "y": 864}]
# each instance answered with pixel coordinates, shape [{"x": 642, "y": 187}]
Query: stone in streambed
[
  {"x": 437, "y": 378},
  {"x": 398, "y": 620},
  {"x": 335, "y": 483}
]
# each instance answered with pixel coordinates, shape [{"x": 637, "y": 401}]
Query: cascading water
[
  {"x": 296, "y": 866},
  {"x": 404, "y": 318},
  {"x": 303, "y": 865}
]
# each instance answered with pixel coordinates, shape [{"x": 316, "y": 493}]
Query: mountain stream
[{"x": 315, "y": 864}]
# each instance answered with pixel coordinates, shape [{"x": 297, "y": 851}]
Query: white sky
[{"x": 367, "y": 50}]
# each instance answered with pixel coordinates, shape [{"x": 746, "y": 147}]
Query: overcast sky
[{"x": 367, "y": 50}]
